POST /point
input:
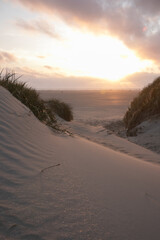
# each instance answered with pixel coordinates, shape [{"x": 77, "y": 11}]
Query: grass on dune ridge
[
  {"x": 44, "y": 111},
  {"x": 28, "y": 97},
  {"x": 62, "y": 109},
  {"x": 144, "y": 106}
]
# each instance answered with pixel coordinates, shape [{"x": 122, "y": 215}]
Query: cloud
[
  {"x": 135, "y": 22},
  {"x": 7, "y": 57},
  {"x": 139, "y": 80},
  {"x": 134, "y": 81},
  {"x": 43, "y": 80},
  {"x": 38, "y": 26},
  {"x": 149, "y": 6},
  {"x": 48, "y": 67},
  {"x": 66, "y": 83},
  {"x": 41, "y": 57},
  {"x": 69, "y": 8}
]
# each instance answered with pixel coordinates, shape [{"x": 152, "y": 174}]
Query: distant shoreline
[{"x": 89, "y": 90}]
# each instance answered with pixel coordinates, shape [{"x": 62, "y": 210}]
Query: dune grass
[
  {"x": 144, "y": 106},
  {"x": 28, "y": 97},
  {"x": 60, "y": 108}
]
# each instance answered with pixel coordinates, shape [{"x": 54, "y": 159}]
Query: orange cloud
[
  {"x": 120, "y": 18},
  {"x": 7, "y": 57},
  {"x": 42, "y": 57},
  {"x": 48, "y": 67},
  {"x": 40, "y": 80}
]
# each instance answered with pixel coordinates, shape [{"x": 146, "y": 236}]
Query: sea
[{"x": 94, "y": 107}]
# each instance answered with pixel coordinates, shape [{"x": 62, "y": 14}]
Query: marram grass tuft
[
  {"x": 28, "y": 97},
  {"x": 144, "y": 106}
]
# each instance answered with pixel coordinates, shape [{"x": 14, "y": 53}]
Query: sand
[
  {"x": 62, "y": 187},
  {"x": 99, "y": 114},
  {"x": 148, "y": 134},
  {"x": 133, "y": 146}
]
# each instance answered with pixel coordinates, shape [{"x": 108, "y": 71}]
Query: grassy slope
[
  {"x": 60, "y": 108},
  {"x": 144, "y": 106},
  {"x": 28, "y": 97}
]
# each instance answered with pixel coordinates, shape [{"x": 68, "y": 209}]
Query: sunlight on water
[{"x": 95, "y": 105}]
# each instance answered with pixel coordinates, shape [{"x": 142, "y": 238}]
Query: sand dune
[
  {"x": 103, "y": 136},
  {"x": 61, "y": 187}
]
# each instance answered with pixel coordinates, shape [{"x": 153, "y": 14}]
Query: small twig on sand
[
  {"x": 50, "y": 167},
  {"x": 12, "y": 227}
]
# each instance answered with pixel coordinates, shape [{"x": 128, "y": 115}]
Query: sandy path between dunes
[
  {"x": 103, "y": 136},
  {"x": 60, "y": 187}
]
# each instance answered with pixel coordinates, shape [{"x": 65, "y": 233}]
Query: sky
[{"x": 81, "y": 44}]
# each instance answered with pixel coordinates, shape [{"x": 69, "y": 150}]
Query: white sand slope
[
  {"x": 95, "y": 193},
  {"x": 148, "y": 134},
  {"x": 150, "y": 138}
]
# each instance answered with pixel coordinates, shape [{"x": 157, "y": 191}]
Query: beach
[
  {"x": 79, "y": 120},
  {"x": 55, "y": 186},
  {"x": 98, "y": 117}
]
